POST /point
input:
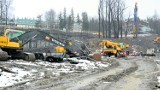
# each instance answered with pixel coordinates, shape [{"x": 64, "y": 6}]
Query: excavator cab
[
  {"x": 8, "y": 35},
  {"x": 12, "y": 48}
]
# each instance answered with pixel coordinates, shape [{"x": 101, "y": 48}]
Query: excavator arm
[
  {"x": 38, "y": 35},
  {"x": 13, "y": 41},
  {"x": 72, "y": 47}
]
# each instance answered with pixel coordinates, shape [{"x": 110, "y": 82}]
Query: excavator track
[
  {"x": 29, "y": 57},
  {"x": 3, "y": 55}
]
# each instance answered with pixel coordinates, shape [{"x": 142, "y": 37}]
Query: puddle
[
  {"x": 107, "y": 82},
  {"x": 138, "y": 76},
  {"x": 132, "y": 82}
]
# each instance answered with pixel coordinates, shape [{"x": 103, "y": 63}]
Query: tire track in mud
[
  {"x": 90, "y": 82},
  {"x": 100, "y": 84},
  {"x": 141, "y": 79}
]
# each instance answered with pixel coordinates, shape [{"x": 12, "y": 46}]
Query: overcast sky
[{"x": 32, "y": 8}]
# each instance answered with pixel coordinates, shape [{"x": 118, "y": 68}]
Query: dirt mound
[{"x": 140, "y": 43}]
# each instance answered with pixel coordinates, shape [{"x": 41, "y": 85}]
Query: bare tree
[
  {"x": 72, "y": 15},
  {"x": 50, "y": 18},
  {"x": 65, "y": 18},
  {"x": 121, "y": 12},
  {"x": 106, "y": 20},
  {"x": 114, "y": 10},
  {"x": 60, "y": 21},
  {"x": 99, "y": 14},
  {"x": 127, "y": 26},
  {"x": 5, "y": 6},
  {"x": 71, "y": 20},
  {"x": 93, "y": 24},
  {"x": 78, "y": 19},
  {"x": 85, "y": 23},
  {"x": 39, "y": 21},
  {"x": 69, "y": 23},
  {"x": 102, "y": 16},
  {"x": 154, "y": 23}
]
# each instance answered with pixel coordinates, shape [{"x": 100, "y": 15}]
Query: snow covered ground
[
  {"x": 141, "y": 35},
  {"x": 7, "y": 79},
  {"x": 25, "y": 71}
]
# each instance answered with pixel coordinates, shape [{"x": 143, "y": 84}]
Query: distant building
[
  {"x": 145, "y": 29},
  {"x": 25, "y": 23},
  {"x": 143, "y": 26},
  {"x": 77, "y": 27},
  {"x": 10, "y": 22}
]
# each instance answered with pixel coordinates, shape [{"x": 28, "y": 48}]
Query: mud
[{"x": 116, "y": 77}]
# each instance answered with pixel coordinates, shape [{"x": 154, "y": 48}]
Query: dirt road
[
  {"x": 142, "y": 79},
  {"x": 134, "y": 73}
]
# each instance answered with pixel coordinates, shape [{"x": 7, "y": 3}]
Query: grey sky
[{"x": 32, "y": 8}]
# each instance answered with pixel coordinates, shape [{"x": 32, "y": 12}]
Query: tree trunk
[
  {"x": 99, "y": 21},
  {"x": 121, "y": 29},
  {"x": 118, "y": 21},
  {"x": 109, "y": 21},
  {"x": 103, "y": 26},
  {"x": 106, "y": 24}
]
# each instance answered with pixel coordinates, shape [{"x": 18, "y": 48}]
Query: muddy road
[
  {"x": 132, "y": 73},
  {"x": 141, "y": 79}
]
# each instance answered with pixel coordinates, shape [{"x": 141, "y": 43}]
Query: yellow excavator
[
  {"x": 60, "y": 49},
  {"x": 5, "y": 39},
  {"x": 10, "y": 47},
  {"x": 112, "y": 48},
  {"x": 157, "y": 40},
  {"x": 13, "y": 41}
]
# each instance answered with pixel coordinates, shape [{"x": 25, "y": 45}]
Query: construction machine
[
  {"x": 112, "y": 48},
  {"x": 8, "y": 46},
  {"x": 157, "y": 40},
  {"x": 13, "y": 42},
  {"x": 124, "y": 45}
]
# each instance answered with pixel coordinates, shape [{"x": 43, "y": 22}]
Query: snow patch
[
  {"x": 7, "y": 79},
  {"x": 46, "y": 69},
  {"x": 158, "y": 79}
]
